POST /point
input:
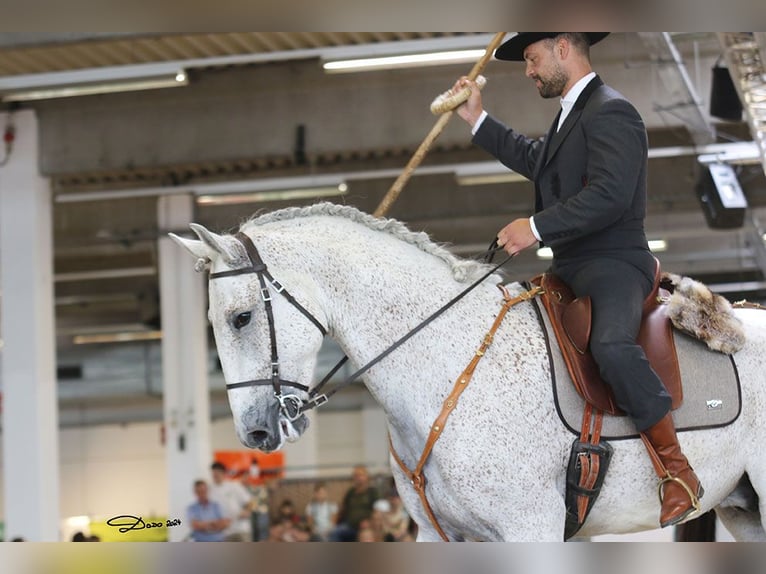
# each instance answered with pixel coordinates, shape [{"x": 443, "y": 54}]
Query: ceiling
[{"x": 106, "y": 271}]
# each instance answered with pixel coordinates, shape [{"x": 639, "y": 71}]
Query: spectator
[
  {"x": 288, "y": 525},
  {"x": 286, "y": 512},
  {"x": 205, "y": 516},
  {"x": 79, "y": 537},
  {"x": 396, "y": 520},
  {"x": 321, "y": 513},
  {"x": 259, "y": 503},
  {"x": 366, "y": 532},
  {"x": 235, "y": 504},
  {"x": 356, "y": 506}
]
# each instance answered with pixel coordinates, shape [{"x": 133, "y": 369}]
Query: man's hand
[
  {"x": 471, "y": 109},
  {"x": 516, "y": 236}
]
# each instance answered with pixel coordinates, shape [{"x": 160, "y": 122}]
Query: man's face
[
  {"x": 544, "y": 67},
  {"x": 360, "y": 477},
  {"x": 201, "y": 491}
]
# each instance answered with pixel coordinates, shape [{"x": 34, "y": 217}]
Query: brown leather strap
[
  {"x": 659, "y": 468},
  {"x": 417, "y": 478},
  {"x": 589, "y": 463}
]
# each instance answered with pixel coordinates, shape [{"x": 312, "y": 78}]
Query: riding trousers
[{"x": 618, "y": 289}]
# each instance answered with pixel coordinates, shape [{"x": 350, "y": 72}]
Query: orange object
[{"x": 238, "y": 462}]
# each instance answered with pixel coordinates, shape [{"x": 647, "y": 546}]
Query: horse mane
[{"x": 463, "y": 270}]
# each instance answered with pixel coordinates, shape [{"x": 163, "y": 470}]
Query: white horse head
[{"x": 243, "y": 338}]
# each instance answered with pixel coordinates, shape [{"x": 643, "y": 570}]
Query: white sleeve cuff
[
  {"x": 478, "y": 123},
  {"x": 534, "y": 229}
]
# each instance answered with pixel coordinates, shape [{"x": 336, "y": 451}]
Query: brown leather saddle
[{"x": 570, "y": 318}]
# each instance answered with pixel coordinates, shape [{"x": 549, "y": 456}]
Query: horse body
[{"x": 498, "y": 469}]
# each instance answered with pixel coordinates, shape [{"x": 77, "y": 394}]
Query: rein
[{"x": 292, "y": 406}]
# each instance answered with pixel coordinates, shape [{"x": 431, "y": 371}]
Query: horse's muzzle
[{"x": 270, "y": 435}]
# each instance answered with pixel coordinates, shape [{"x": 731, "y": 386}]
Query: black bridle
[{"x": 293, "y": 406}]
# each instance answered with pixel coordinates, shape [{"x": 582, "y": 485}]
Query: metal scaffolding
[
  {"x": 686, "y": 104},
  {"x": 745, "y": 55}
]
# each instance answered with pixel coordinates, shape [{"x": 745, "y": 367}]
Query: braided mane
[{"x": 463, "y": 270}]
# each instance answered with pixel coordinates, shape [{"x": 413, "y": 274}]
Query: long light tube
[{"x": 403, "y": 61}]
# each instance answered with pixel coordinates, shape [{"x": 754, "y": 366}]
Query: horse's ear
[
  {"x": 218, "y": 244},
  {"x": 194, "y": 246},
  {"x": 209, "y": 247}
]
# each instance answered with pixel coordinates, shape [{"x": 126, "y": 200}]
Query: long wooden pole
[{"x": 420, "y": 153}]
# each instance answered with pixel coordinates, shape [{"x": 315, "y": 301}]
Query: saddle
[{"x": 570, "y": 318}]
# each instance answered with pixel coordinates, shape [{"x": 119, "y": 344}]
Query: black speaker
[
  {"x": 724, "y": 100},
  {"x": 721, "y": 197}
]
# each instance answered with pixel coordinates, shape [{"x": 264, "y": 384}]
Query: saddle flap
[
  {"x": 570, "y": 319},
  {"x": 576, "y": 319}
]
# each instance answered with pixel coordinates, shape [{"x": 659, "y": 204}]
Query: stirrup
[{"x": 692, "y": 496}]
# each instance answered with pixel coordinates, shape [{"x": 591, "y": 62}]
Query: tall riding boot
[{"x": 679, "y": 488}]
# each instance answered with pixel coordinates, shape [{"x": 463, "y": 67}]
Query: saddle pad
[{"x": 712, "y": 395}]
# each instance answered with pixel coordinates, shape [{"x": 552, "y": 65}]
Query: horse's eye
[{"x": 242, "y": 319}]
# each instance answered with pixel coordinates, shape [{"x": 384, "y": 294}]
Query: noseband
[{"x": 290, "y": 405}]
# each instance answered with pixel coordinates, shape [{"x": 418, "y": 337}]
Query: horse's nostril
[{"x": 258, "y": 436}]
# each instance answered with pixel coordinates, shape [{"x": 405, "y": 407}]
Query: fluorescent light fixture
[
  {"x": 485, "y": 172},
  {"x": 403, "y": 61},
  {"x": 655, "y": 245},
  {"x": 92, "y": 81},
  {"x": 125, "y": 337},
  {"x": 490, "y": 178},
  {"x": 144, "y": 271},
  {"x": 278, "y": 195},
  {"x": 731, "y": 153},
  {"x": 334, "y": 181},
  {"x": 179, "y": 79}
]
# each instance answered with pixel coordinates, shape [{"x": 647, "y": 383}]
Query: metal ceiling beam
[
  {"x": 685, "y": 102},
  {"x": 739, "y": 152}
]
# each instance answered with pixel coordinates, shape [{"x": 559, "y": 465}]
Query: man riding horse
[{"x": 590, "y": 204}]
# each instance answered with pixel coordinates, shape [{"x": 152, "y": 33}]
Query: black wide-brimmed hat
[{"x": 513, "y": 49}]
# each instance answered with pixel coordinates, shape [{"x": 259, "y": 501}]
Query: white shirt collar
[
  {"x": 568, "y": 101},
  {"x": 575, "y": 91}
]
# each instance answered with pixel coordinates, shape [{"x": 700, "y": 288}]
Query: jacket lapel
[
  {"x": 556, "y": 138},
  {"x": 546, "y": 146}
]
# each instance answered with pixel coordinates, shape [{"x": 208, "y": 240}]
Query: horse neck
[{"x": 379, "y": 286}]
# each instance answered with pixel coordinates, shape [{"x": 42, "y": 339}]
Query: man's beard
[{"x": 553, "y": 86}]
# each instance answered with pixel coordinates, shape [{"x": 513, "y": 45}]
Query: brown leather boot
[{"x": 680, "y": 489}]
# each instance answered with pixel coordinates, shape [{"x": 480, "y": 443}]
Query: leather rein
[{"x": 293, "y": 406}]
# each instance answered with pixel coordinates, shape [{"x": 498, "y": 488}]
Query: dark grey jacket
[{"x": 590, "y": 176}]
